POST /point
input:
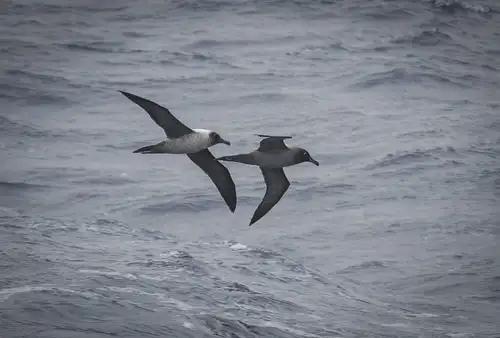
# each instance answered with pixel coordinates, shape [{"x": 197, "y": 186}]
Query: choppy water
[{"x": 396, "y": 234}]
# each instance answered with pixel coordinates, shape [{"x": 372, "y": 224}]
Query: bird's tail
[
  {"x": 241, "y": 158},
  {"x": 147, "y": 149}
]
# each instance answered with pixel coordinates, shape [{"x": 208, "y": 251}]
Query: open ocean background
[{"x": 395, "y": 234}]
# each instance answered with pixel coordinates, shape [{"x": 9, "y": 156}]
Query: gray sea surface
[{"x": 395, "y": 234}]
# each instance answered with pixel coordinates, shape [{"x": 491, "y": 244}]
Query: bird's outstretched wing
[
  {"x": 171, "y": 125},
  {"x": 219, "y": 175},
  {"x": 276, "y": 186},
  {"x": 272, "y": 143}
]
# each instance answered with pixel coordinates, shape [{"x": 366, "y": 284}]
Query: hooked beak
[
  {"x": 312, "y": 160},
  {"x": 224, "y": 141}
]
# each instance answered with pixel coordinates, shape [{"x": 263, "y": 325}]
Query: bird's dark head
[
  {"x": 216, "y": 138},
  {"x": 303, "y": 155}
]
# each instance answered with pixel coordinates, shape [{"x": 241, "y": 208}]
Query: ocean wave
[
  {"x": 285, "y": 269},
  {"x": 406, "y": 77},
  {"x": 321, "y": 52},
  {"x": 18, "y": 47},
  {"x": 47, "y": 227},
  {"x": 108, "y": 180},
  {"x": 32, "y": 22},
  {"x": 420, "y": 134},
  {"x": 208, "y": 5},
  {"x": 197, "y": 56},
  {"x": 232, "y": 327},
  {"x": 115, "y": 276},
  {"x": 185, "y": 59},
  {"x": 152, "y": 234},
  {"x": 94, "y": 46},
  {"x": 134, "y": 34},
  {"x": 40, "y": 8},
  {"x": 181, "y": 262},
  {"x": 20, "y": 186},
  {"x": 212, "y": 43},
  {"x": 184, "y": 204},
  {"x": 426, "y": 37},
  {"x": 13, "y": 128},
  {"x": 32, "y": 88},
  {"x": 493, "y": 153},
  {"x": 264, "y": 97},
  {"x": 376, "y": 11},
  {"x": 7, "y": 293},
  {"x": 335, "y": 188},
  {"x": 456, "y": 5},
  {"x": 45, "y": 78},
  {"x": 25, "y": 96},
  {"x": 9, "y": 214},
  {"x": 238, "y": 287},
  {"x": 368, "y": 265},
  {"x": 254, "y": 301},
  {"x": 410, "y": 158}
]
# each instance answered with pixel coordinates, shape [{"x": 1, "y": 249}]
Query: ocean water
[{"x": 395, "y": 234}]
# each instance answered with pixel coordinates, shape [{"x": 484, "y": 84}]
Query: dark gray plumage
[
  {"x": 276, "y": 186},
  {"x": 162, "y": 116},
  {"x": 192, "y": 142},
  {"x": 272, "y": 156}
]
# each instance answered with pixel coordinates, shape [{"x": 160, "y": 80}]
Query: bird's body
[
  {"x": 192, "y": 142},
  {"x": 272, "y": 156},
  {"x": 279, "y": 159}
]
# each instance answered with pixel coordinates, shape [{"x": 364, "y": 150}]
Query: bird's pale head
[
  {"x": 215, "y": 138},
  {"x": 303, "y": 155}
]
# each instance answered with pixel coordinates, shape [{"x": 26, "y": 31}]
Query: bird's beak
[
  {"x": 224, "y": 141},
  {"x": 312, "y": 160}
]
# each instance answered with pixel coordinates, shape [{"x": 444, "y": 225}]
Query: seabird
[
  {"x": 272, "y": 156},
  {"x": 192, "y": 142}
]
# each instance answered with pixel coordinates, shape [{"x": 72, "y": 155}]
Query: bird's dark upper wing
[
  {"x": 277, "y": 184},
  {"x": 219, "y": 175},
  {"x": 161, "y": 115},
  {"x": 272, "y": 143}
]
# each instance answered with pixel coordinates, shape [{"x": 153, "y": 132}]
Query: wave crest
[
  {"x": 438, "y": 155},
  {"x": 456, "y": 5}
]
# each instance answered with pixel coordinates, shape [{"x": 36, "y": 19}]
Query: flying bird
[
  {"x": 272, "y": 156},
  {"x": 192, "y": 142}
]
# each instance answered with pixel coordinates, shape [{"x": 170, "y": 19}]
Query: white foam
[
  {"x": 126, "y": 290},
  {"x": 424, "y": 315},
  {"x": 188, "y": 325},
  {"x": 238, "y": 246},
  {"x": 289, "y": 329},
  {"x": 174, "y": 253},
  {"x": 9, "y": 211},
  {"x": 460, "y": 335},
  {"x": 177, "y": 303},
  {"x": 160, "y": 296},
  {"x": 108, "y": 273},
  {"x": 6, "y": 293}
]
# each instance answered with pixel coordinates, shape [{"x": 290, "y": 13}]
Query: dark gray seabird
[
  {"x": 272, "y": 156},
  {"x": 192, "y": 142}
]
